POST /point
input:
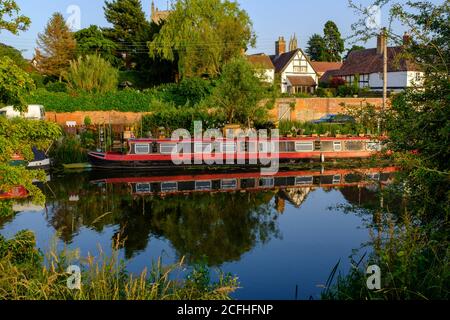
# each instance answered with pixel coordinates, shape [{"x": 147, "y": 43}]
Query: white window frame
[
  {"x": 203, "y": 188},
  {"x": 141, "y": 145},
  {"x": 202, "y": 147},
  {"x": 301, "y": 181},
  {"x": 269, "y": 185},
  {"x": 225, "y": 145},
  {"x": 337, "y": 179},
  {"x": 148, "y": 190},
  {"x": 234, "y": 181},
  {"x": 297, "y": 144},
  {"x": 337, "y": 145},
  {"x": 174, "y": 148},
  {"x": 170, "y": 189}
]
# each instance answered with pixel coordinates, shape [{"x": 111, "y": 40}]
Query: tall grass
[{"x": 23, "y": 275}]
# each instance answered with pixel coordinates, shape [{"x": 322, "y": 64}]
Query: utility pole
[{"x": 385, "y": 73}]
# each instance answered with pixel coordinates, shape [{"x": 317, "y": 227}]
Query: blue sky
[{"x": 271, "y": 18}]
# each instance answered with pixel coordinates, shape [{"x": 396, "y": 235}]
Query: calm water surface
[{"x": 272, "y": 234}]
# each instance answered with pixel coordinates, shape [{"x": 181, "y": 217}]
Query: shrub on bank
[{"x": 25, "y": 276}]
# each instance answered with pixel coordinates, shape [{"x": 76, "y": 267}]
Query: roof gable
[{"x": 282, "y": 61}]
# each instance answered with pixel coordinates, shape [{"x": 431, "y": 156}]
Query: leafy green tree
[
  {"x": 92, "y": 74},
  {"x": 92, "y": 41},
  {"x": 334, "y": 43},
  {"x": 316, "y": 48},
  {"x": 204, "y": 35},
  {"x": 15, "y": 83},
  {"x": 239, "y": 93},
  {"x": 56, "y": 47},
  {"x": 11, "y": 19},
  {"x": 13, "y": 54},
  {"x": 129, "y": 23},
  {"x": 354, "y": 48}
]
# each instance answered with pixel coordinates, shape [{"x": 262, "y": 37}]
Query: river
[{"x": 275, "y": 234}]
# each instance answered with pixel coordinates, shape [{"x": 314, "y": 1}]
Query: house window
[
  {"x": 142, "y": 148},
  {"x": 304, "y": 146},
  {"x": 300, "y": 69},
  {"x": 418, "y": 77}
]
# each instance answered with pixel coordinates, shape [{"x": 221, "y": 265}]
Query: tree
[
  {"x": 128, "y": 24},
  {"x": 92, "y": 74},
  {"x": 14, "y": 54},
  {"x": 316, "y": 48},
  {"x": 204, "y": 35},
  {"x": 56, "y": 47},
  {"x": 239, "y": 93},
  {"x": 15, "y": 83},
  {"x": 334, "y": 44},
  {"x": 92, "y": 41},
  {"x": 14, "y": 21},
  {"x": 353, "y": 48}
]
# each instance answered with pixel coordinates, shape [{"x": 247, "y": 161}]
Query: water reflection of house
[{"x": 296, "y": 196}]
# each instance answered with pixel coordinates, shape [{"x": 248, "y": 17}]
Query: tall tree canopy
[
  {"x": 91, "y": 40},
  {"x": 129, "y": 24},
  {"x": 56, "y": 47},
  {"x": 10, "y": 17},
  {"x": 204, "y": 35},
  {"x": 334, "y": 43},
  {"x": 316, "y": 48},
  {"x": 238, "y": 94}
]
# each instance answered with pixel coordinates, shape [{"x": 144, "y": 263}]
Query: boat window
[
  {"x": 203, "y": 185},
  {"x": 143, "y": 188},
  {"x": 203, "y": 147},
  {"x": 304, "y": 180},
  {"x": 142, "y": 148},
  {"x": 337, "y": 179},
  {"x": 2, "y": 113},
  {"x": 373, "y": 146},
  {"x": 304, "y": 146},
  {"x": 374, "y": 176},
  {"x": 228, "y": 184},
  {"x": 337, "y": 146},
  {"x": 168, "y": 148},
  {"x": 266, "y": 182},
  {"x": 228, "y": 147},
  {"x": 169, "y": 186}
]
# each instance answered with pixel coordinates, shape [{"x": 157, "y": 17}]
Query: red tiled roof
[
  {"x": 261, "y": 60},
  {"x": 301, "y": 81},
  {"x": 322, "y": 67},
  {"x": 368, "y": 61}
]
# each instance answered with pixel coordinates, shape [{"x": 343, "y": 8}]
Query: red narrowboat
[{"x": 154, "y": 153}]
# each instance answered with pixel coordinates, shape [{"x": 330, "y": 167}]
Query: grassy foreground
[{"x": 24, "y": 276}]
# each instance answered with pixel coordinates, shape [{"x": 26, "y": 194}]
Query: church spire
[{"x": 293, "y": 43}]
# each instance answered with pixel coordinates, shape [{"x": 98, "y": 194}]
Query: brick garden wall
[{"x": 306, "y": 109}]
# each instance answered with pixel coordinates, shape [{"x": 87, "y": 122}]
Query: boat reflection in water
[{"x": 215, "y": 182}]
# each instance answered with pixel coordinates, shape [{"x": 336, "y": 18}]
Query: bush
[
  {"x": 56, "y": 86},
  {"x": 92, "y": 74}
]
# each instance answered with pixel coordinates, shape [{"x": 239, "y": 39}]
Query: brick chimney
[
  {"x": 280, "y": 46},
  {"x": 381, "y": 42}
]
